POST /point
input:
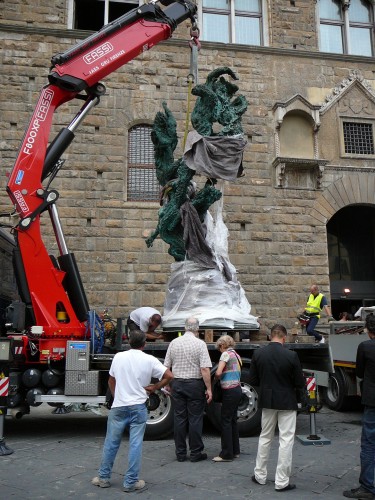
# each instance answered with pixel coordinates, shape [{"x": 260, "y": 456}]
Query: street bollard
[
  {"x": 311, "y": 389},
  {"x": 5, "y": 359},
  {"x": 312, "y": 438},
  {"x": 4, "y": 449}
]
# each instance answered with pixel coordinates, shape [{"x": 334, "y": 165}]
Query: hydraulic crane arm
[
  {"x": 52, "y": 288},
  {"x": 116, "y": 44}
]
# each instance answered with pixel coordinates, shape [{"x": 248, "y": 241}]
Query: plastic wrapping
[
  {"x": 204, "y": 293},
  {"x": 214, "y": 296}
]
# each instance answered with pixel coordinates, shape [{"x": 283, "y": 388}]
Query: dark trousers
[
  {"x": 310, "y": 330},
  {"x": 230, "y": 442},
  {"x": 132, "y": 325},
  {"x": 366, "y": 478},
  {"x": 189, "y": 401}
]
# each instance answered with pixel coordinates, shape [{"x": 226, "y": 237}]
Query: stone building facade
[{"x": 305, "y": 108}]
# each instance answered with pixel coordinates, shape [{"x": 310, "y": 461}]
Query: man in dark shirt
[
  {"x": 365, "y": 370},
  {"x": 277, "y": 372}
]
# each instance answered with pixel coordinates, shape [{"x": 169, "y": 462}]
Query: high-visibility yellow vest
[{"x": 313, "y": 304}]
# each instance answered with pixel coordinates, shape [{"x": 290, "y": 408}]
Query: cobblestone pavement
[{"x": 55, "y": 457}]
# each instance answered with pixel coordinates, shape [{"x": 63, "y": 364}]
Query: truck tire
[
  {"x": 160, "y": 416},
  {"x": 336, "y": 394},
  {"x": 249, "y": 415}
]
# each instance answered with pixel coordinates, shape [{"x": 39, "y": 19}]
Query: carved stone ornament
[
  {"x": 355, "y": 77},
  {"x": 310, "y": 166}
]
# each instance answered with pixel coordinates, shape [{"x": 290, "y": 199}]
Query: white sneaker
[
  {"x": 139, "y": 485},
  {"x": 102, "y": 483},
  {"x": 322, "y": 340}
]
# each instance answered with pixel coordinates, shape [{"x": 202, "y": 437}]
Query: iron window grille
[
  {"x": 142, "y": 181},
  {"x": 358, "y": 138}
]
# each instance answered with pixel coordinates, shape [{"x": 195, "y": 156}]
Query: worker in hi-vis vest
[{"x": 316, "y": 302}]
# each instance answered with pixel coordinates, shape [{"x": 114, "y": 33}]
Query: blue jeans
[
  {"x": 133, "y": 417},
  {"x": 310, "y": 330},
  {"x": 366, "y": 477}
]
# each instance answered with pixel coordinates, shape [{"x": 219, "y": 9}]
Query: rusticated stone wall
[{"x": 277, "y": 236}]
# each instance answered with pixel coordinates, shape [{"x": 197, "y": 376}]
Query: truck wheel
[
  {"x": 160, "y": 416},
  {"x": 335, "y": 395},
  {"x": 249, "y": 415}
]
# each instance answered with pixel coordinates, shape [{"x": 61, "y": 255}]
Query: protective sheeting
[
  {"x": 214, "y": 296},
  {"x": 217, "y": 157},
  {"x": 193, "y": 290}
]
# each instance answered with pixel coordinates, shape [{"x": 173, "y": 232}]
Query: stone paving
[{"x": 56, "y": 456}]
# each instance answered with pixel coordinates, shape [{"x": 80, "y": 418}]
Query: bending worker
[
  {"x": 146, "y": 319},
  {"x": 316, "y": 302}
]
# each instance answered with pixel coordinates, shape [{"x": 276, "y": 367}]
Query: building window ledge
[{"x": 298, "y": 173}]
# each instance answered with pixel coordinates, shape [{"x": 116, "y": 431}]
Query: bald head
[{"x": 192, "y": 324}]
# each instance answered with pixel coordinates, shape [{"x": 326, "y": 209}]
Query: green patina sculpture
[{"x": 215, "y": 105}]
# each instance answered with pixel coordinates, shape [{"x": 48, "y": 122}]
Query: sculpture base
[{"x": 193, "y": 290}]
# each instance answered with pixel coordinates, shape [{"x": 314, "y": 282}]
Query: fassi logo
[
  {"x": 44, "y": 105},
  {"x": 39, "y": 116},
  {"x": 97, "y": 53}
]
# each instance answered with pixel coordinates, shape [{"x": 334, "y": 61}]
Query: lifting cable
[{"x": 192, "y": 78}]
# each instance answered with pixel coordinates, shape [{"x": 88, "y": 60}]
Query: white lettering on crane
[
  {"x": 21, "y": 201},
  {"x": 98, "y": 53},
  {"x": 39, "y": 116}
]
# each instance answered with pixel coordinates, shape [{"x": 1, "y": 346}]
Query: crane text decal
[
  {"x": 39, "y": 116},
  {"x": 21, "y": 201},
  {"x": 97, "y": 53}
]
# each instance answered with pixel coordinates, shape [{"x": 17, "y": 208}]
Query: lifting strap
[{"x": 192, "y": 78}]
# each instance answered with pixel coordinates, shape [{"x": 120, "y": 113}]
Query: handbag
[{"x": 217, "y": 393}]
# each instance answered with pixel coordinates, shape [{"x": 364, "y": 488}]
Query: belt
[{"x": 186, "y": 379}]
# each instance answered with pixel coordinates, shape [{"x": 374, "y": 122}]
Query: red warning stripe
[
  {"x": 311, "y": 383},
  {"x": 4, "y": 386}
]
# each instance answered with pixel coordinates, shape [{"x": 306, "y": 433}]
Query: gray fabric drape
[
  {"x": 217, "y": 157},
  {"x": 194, "y": 237}
]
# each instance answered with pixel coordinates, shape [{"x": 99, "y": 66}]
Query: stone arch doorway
[
  {"x": 346, "y": 208},
  {"x": 351, "y": 256}
]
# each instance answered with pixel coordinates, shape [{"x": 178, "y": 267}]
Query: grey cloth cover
[
  {"x": 194, "y": 236},
  {"x": 217, "y": 157}
]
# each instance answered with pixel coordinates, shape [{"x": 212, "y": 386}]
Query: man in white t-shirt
[
  {"x": 146, "y": 319},
  {"x": 129, "y": 381}
]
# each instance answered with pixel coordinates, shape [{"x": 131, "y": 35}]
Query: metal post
[
  {"x": 311, "y": 388},
  {"x": 118, "y": 345},
  {"x": 4, "y": 449},
  {"x": 312, "y": 438},
  {"x": 6, "y": 355}
]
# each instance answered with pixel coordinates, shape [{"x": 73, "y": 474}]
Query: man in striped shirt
[{"x": 188, "y": 358}]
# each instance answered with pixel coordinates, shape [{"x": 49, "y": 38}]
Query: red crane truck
[{"x": 56, "y": 340}]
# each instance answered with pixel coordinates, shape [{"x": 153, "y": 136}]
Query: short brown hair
[{"x": 278, "y": 331}]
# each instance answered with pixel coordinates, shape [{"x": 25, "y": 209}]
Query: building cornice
[{"x": 81, "y": 34}]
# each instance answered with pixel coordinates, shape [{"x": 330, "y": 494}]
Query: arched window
[
  {"x": 142, "y": 182},
  {"x": 346, "y": 28},
  {"x": 233, "y": 21}
]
